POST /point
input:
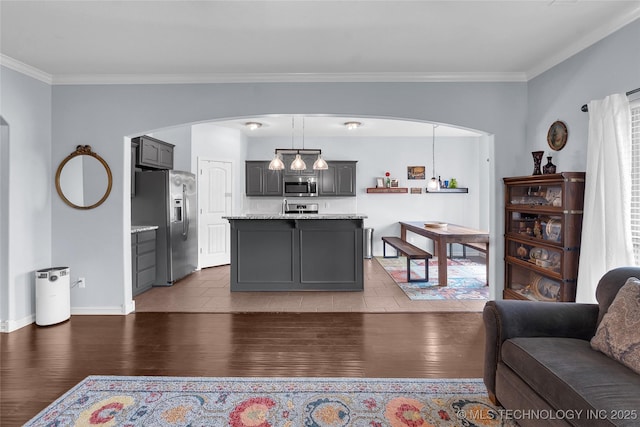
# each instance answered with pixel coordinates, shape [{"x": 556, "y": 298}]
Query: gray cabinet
[
  {"x": 260, "y": 180},
  {"x": 339, "y": 179},
  {"x": 143, "y": 261},
  {"x": 134, "y": 151},
  {"x": 153, "y": 153},
  {"x": 296, "y": 255}
]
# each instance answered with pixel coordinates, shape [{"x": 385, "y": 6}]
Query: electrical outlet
[{"x": 81, "y": 282}]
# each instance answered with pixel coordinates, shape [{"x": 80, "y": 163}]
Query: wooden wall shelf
[{"x": 388, "y": 190}]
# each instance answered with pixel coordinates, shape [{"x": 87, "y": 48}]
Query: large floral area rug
[
  {"x": 264, "y": 402},
  {"x": 466, "y": 279}
]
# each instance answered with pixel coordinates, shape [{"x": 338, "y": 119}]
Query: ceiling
[
  {"x": 301, "y": 40},
  {"x": 296, "y": 126},
  {"x": 148, "y": 41}
]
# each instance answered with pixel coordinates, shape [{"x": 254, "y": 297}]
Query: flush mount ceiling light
[
  {"x": 433, "y": 184},
  {"x": 253, "y": 125},
  {"x": 352, "y": 125}
]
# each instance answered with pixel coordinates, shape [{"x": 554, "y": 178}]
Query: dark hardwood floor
[{"x": 38, "y": 364}]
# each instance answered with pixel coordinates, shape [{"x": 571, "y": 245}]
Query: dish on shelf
[
  {"x": 529, "y": 200},
  {"x": 553, "y": 230},
  {"x": 543, "y": 263},
  {"x": 554, "y": 196},
  {"x": 545, "y": 289},
  {"x": 435, "y": 224},
  {"x": 538, "y": 254}
]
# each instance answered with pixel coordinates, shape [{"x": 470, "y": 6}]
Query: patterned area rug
[
  {"x": 264, "y": 402},
  {"x": 465, "y": 279}
]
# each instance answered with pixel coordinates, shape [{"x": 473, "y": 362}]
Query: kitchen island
[{"x": 297, "y": 252}]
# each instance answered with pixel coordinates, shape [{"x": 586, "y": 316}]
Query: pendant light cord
[{"x": 433, "y": 153}]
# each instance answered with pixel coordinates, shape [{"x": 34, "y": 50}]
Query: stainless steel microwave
[{"x": 300, "y": 186}]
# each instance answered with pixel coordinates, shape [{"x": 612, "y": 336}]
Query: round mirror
[{"x": 83, "y": 179}]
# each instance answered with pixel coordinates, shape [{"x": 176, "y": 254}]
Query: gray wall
[
  {"x": 610, "y": 66},
  {"x": 25, "y": 194},
  {"x": 95, "y": 243}
]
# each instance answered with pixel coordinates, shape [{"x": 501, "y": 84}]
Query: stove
[{"x": 301, "y": 208}]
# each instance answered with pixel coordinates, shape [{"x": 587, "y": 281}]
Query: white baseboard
[
  {"x": 14, "y": 325},
  {"x": 115, "y": 310}
]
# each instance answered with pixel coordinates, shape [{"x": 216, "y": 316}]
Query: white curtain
[{"x": 606, "y": 226}]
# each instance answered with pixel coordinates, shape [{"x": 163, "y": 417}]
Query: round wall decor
[{"x": 557, "y": 135}]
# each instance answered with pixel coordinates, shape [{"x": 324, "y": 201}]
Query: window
[{"x": 635, "y": 179}]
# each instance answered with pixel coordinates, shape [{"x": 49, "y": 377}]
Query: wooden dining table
[{"x": 442, "y": 236}]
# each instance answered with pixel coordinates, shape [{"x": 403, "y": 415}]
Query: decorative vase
[
  {"x": 537, "y": 160},
  {"x": 549, "y": 167}
]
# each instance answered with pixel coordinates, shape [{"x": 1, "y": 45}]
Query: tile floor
[{"x": 207, "y": 291}]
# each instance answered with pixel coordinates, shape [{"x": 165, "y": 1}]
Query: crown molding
[
  {"x": 582, "y": 44},
  {"x": 97, "y": 79},
  {"x": 25, "y": 69}
]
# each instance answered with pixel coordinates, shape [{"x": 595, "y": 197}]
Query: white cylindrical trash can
[{"x": 53, "y": 295}]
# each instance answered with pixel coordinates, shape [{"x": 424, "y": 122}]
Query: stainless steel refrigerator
[{"x": 167, "y": 198}]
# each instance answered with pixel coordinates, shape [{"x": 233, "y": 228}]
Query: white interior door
[{"x": 215, "y": 190}]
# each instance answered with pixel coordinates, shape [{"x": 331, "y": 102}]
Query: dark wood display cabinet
[{"x": 543, "y": 226}]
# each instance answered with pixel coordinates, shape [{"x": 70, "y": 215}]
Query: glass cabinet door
[
  {"x": 546, "y": 258},
  {"x": 536, "y": 195},
  {"x": 532, "y": 285},
  {"x": 536, "y": 226}
]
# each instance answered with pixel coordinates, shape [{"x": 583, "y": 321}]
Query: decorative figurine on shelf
[
  {"x": 537, "y": 160},
  {"x": 549, "y": 167},
  {"x": 522, "y": 251},
  {"x": 388, "y": 180},
  {"x": 537, "y": 229},
  {"x": 453, "y": 183}
]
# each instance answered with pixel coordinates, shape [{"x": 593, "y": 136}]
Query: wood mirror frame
[{"x": 83, "y": 150}]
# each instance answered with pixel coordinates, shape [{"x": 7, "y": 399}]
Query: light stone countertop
[
  {"x": 296, "y": 216},
  {"x": 139, "y": 228}
]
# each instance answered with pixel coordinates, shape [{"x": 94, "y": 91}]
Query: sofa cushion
[
  {"x": 569, "y": 374},
  {"x": 618, "y": 335}
]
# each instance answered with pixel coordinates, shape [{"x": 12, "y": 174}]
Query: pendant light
[
  {"x": 433, "y": 184},
  {"x": 298, "y": 164},
  {"x": 276, "y": 163},
  {"x": 320, "y": 164}
]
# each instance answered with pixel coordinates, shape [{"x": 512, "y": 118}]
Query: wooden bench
[
  {"x": 480, "y": 247},
  {"x": 410, "y": 251}
]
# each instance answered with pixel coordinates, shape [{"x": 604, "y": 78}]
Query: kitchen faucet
[{"x": 284, "y": 206}]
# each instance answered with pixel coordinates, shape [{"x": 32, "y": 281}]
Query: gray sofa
[{"x": 540, "y": 367}]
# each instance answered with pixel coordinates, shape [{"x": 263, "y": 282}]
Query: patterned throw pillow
[{"x": 618, "y": 335}]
